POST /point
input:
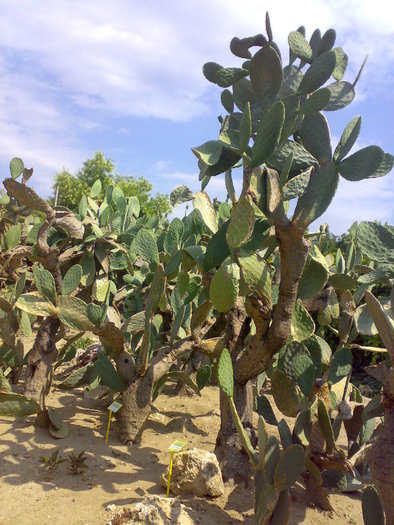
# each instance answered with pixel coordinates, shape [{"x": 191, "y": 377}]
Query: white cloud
[
  {"x": 357, "y": 201},
  {"x": 69, "y": 67}
]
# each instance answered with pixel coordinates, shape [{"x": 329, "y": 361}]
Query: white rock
[
  {"x": 195, "y": 472},
  {"x": 156, "y": 510}
]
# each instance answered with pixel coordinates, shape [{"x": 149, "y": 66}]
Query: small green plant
[
  {"x": 77, "y": 463},
  {"x": 53, "y": 461}
]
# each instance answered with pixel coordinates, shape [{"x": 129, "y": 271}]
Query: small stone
[{"x": 195, "y": 472}]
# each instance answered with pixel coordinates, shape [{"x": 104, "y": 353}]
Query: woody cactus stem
[
  {"x": 382, "y": 454},
  {"x": 43, "y": 353}
]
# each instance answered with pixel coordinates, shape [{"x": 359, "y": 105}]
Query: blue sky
[{"x": 124, "y": 77}]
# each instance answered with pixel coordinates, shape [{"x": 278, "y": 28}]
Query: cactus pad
[
  {"x": 72, "y": 279},
  {"x": 241, "y": 224},
  {"x": 224, "y": 286},
  {"x": 225, "y": 373},
  {"x": 289, "y": 467},
  {"x": 26, "y": 196},
  {"x": 45, "y": 283},
  {"x": 72, "y": 312},
  {"x": 34, "y": 304}
]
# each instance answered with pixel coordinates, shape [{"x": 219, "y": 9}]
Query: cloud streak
[{"x": 69, "y": 69}]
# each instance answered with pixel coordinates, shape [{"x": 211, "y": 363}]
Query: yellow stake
[
  {"x": 109, "y": 422},
  {"x": 174, "y": 447},
  {"x": 169, "y": 473}
]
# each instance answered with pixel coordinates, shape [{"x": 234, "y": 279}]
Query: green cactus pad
[
  {"x": 341, "y": 63},
  {"x": 268, "y": 135},
  {"x": 266, "y": 75},
  {"x": 95, "y": 189},
  {"x": 325, "y": 424},
  {"x": 372, "y": 507},
  {"x": 342, "y": 281},
  {"x": 315, "y": 136},
  {"x": 245, "y": 129},
  {"x": 348, "y": 139},
  {"x": 225, "y": 373},
  {"x": 241, "y": 224},
  {"x": 302, "y": 159},
  {"x": 203, "y": 376},
  {"x": 281, "y": 513},
  {"x": 255, "y": 276},
  {"x": 20, "y": 285},
  {"x": 100, "y": 287},
  {"x": 334, "y": 481},
  {"x": 45, "y": 283},
  {"x": 272, "y": 456},
  {"x": 363, "y": 164},
  {"x": 55, "y": 418},
  {"x": 302, "y": 325},
  {"x": 81, "y": 376},
  {"x": 59, "y": 433},
  {"x": 264, "y": 409},
  {"x": 317, "y": 197},
  {"x": 376, "y": 241},
  {"x": 299, "y": 46},
  {"x": 320, "y": 353},
  {"x": 217, "y": 249},
  {"x": 227, "y": 101},
  {"x": 224, "y": 286},
  {"x": 382, "y": 321},
  {"x": 12, "y": 237},
  {"x": 266, "y": 498},
  {"x": 144, "y": 244},
  {"x": 285, "y": 434},
  {"x": 72, "y": 311},
  {"x": 34, "y": 304},
  {"x": 16, "y": 167},
  {"x": 341, "y": 95},
  {"x": 16, "y": 405},
  {"x": 204, "y": 208},
  {"x": 288, "y": 354},
  {"x": 292, "y": 77},
  {"x": 303, "y": 428},
  {"x": 72, "y": 279},
  {"x": 289, "y": 468},
  {"x": 340, "y": 365},
  {"x": 94, "y": 313},
  {"x": 318, "y": 73},
  {"x": 199, "y": 316},
  {"x": 24, "y": 325},
  {"x": 313, "y": 279},
  {"x": 107, "y": 373},
  {"x": 156, "y": 291},
  {"x": 262, "y": 440},
  {"x": 88, "y": 268},
  {"x": 285, "y": 393},
  {"x": 304, "y": 372},
  {"x": 296, "y": 186},
  {"x": 227, "y": 76},
  {"x": 173, "y": 238}
]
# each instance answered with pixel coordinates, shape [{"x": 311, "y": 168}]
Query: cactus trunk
[
  {"x": 136, "y": 408},
  {"x": 41, "y": 359},
  {"x": 233, "y": 460},
  {"x": 382, "y": 460}
]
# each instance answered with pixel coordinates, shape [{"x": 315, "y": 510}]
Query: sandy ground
[{"x": 121, "y": 475}]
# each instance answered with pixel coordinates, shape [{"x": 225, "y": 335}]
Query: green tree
[{"x": 72, "y": 187}]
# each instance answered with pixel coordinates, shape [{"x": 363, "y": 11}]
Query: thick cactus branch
[{"x": 257, "y": 355}]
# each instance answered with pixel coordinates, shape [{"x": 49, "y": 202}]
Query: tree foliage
[{"x": 72, "y": 187}]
